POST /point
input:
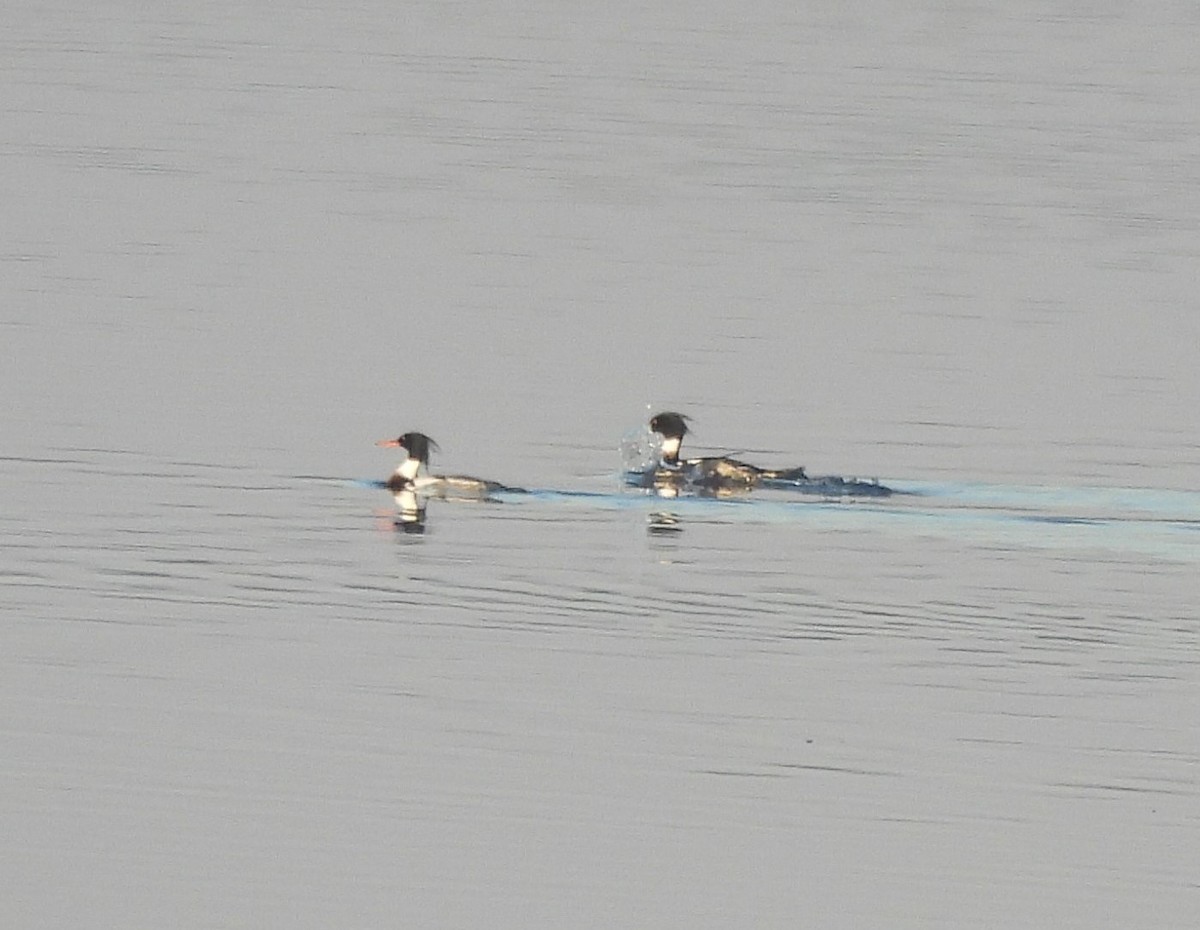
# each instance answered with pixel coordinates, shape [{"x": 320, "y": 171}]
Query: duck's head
[
  {"x": 672, "y": 427},
  {"x": 418, "y": 445}
]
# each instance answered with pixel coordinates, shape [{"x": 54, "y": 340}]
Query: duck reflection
[
  {"x": 410, "y": 511},
  {"x": 412, "y": 504},
  {"x": 664, "y": 523}
]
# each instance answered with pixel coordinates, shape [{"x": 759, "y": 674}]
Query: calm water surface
[{"x": 951, "y": 247}]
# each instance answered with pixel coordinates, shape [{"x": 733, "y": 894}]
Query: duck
[
  {"x": 724, "y": 475},
  {"x": 412, "y": 474}
]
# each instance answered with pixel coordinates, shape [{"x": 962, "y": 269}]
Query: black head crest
[
  {"x": 418, "y": 446},
  {"x": 670, "y": 424}
]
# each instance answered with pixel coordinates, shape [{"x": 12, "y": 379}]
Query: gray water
[{"x": 954, "y": 247}]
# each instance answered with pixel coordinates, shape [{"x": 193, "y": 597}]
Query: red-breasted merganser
[
  {"x": 724, "y": 474},
  {"x": 411, "y": 474}
]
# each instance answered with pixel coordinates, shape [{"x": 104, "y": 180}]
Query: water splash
[{"x": 640, "y": 449}]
